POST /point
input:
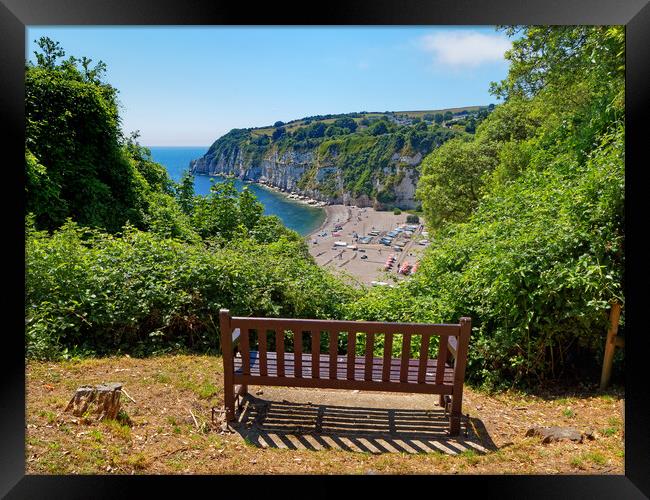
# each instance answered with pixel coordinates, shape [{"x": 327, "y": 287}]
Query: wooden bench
[{"x": 247, "y": 360}]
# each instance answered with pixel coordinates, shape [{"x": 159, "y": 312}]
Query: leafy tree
[
  {"x": 165, "y": 217},
  {"x": 261, "y": 140},
  {"x": 278, "y": 124},
  {"x": 332, "y": 131},
  {"x": 452, "y": 180},
  {"x": 154, "y": 173},
  {"x": 300, "y": 134},
  {"x": 379, "y": 128},
  {"x": 51, "y": 51},
  {"x": 346, "y": 123},
  {"x": 448, "y": 116},
  {"x": 470, "y": 127},
  {"x": 421, "y": 127},
  {"x": 74, "y": 148},
  {"x": 278, "y": 133},
  {"x": 439, "y": 118},
  {"x": 316, "y": 130},
  {"x": 217, "y": 215},
  {"x": 250, "y": 209},
  {"x": 185, "y": 192}
]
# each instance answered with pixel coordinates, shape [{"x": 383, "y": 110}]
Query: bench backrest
[{"x": 245, "y": 333}]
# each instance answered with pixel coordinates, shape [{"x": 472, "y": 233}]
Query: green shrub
[{"x": 140, "y": 292}]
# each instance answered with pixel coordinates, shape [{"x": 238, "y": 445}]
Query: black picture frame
[{"x": 15, "y": 15}]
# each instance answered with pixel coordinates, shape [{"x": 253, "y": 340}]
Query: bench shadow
[{"x": 283, "y": 424}]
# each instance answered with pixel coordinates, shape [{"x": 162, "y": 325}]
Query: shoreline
[
  {"x": 285, "y": 196},
  {"x": 330, "y": 212}
]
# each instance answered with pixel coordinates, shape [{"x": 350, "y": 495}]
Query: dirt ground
[
  {"x": 304, "y": 431},
  {"x": 347, "y": 261}
]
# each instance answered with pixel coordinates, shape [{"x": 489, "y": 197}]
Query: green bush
[
  {"x": 142, "y": 293},
  {"x": 535, "y": 268},
  {"x": 397, "y": 211},
  {"x": 529, "y": 215}
]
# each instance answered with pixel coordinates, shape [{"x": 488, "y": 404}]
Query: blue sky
[{"x": 187, "y": 86}]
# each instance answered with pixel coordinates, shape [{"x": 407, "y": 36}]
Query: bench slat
[
  {"x": 279, "y": 348},
  {"x": 333, "y": 341},
  {"x": 424, "y": 357},
  {"x": 315, "y": 354},
  {"x": 388, "y": 354},
  {"x": 352, "y": 342},
  {"x": 406, "y": 354},
  {"x": 297, "y": 349},
  {"x": 370, "y": 346},
  {"x": 244, "y": 349},
  {"x": 261, "y": 345},
  {"x": 442, "y": 358}
]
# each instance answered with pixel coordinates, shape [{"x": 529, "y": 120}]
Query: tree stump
[{"x": 101, "y": 401}]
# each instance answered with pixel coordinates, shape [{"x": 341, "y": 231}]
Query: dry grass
[{"x": 164, "y": 439}]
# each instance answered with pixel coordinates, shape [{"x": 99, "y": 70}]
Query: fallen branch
[
  {"x": 194, "y": 418},
  {"x": 127, "y": 395}
]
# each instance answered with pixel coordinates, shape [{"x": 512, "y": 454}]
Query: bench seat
[{"x": 342, "y": 368}]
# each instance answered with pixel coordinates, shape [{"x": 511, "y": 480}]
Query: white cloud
[
  {"x": 465, "y": 48},
  {"x": 363, "y": 65}
]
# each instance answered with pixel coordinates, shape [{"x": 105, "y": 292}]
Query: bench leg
[
  {"x": 441, "y": 400},
  {"x": 455, "y": 415},
  {"x": 229, "y": 403}
]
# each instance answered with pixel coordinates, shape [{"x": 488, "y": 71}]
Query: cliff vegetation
[{"x": 369, "y": 159}]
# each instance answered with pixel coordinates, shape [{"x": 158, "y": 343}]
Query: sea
[{"x": 301, "y": 218}]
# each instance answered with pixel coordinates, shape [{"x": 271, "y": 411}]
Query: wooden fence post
[{"x": 610, "y": 344}]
